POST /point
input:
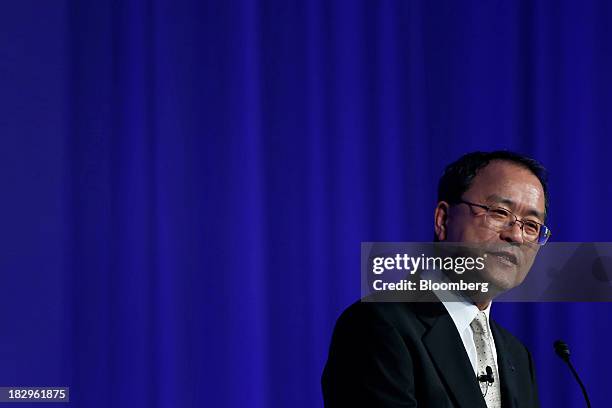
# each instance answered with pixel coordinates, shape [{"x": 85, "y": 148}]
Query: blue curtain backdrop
[{"x": 185, "y": 184}]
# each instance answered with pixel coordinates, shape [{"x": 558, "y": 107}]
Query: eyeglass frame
[{"x": 516, "y": 219}]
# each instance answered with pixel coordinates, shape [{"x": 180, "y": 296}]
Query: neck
[{"x": 482, "y": 305}]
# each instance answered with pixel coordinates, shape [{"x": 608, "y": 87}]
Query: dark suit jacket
[{"x": 410, "y": 354}]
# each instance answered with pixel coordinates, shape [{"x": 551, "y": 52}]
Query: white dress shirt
[{"x": 462, "y": 312}]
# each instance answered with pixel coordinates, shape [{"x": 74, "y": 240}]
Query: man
[{"x": 449, "y": 354}]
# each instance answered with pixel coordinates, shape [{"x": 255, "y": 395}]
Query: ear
[{"x": 441, "y": 220}]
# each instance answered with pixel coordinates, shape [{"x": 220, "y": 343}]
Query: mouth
[{"x": 507, "y": 258}]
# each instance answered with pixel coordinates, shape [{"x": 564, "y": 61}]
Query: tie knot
[{"x": 479, "y": 324}]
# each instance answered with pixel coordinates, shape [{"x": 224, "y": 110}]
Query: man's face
[{"x": 499, "y": 184}]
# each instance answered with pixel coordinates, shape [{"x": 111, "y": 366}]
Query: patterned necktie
[{"x": 484, "y": 352}]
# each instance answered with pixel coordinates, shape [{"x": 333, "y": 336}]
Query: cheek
[
  {"x": 470, "y": 231},
  {"x": 529, "y": 256}
]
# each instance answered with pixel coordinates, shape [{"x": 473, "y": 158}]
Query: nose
[{"x": 513, "y": 234}]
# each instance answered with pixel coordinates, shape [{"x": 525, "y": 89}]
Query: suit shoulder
[{"x": 379, "y": 314}]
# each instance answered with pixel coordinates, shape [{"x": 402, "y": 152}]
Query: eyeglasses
[{"x": 500, "y": 219}]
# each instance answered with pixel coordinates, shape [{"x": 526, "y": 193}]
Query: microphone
[
  {"x": 488, "y": 377},
  {"x": 562, "y": 350}
]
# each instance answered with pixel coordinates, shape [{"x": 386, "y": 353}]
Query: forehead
[{"x": 509, "y": 184}]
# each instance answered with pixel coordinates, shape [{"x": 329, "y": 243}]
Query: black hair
[{"x": 458, "y": 176}]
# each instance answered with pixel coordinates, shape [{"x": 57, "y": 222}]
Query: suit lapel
[
  {"x": 448, "y": 354},
  {"x": 507, "y": 370}
]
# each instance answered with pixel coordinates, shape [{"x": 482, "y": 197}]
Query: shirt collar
[
  {"x": 460, "y": 309},
  {"x": 463, "y": 312}
]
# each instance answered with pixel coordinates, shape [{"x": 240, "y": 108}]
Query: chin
[{"x": 503, "y": 278}]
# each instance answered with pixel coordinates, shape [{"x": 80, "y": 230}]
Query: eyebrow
[{"x": 511, "y": 203}]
